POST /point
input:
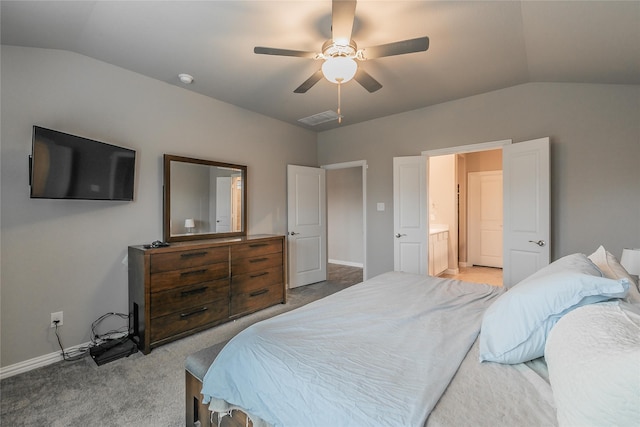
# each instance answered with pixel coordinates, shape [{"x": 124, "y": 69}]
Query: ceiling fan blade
[
  {"x": 397, "y": 48},
  {"x": 343, "y": 14},
  {"x": 367, "y": 82},
  {"x": 308, "y": 84},
  {"x": 283, "y": 52}
]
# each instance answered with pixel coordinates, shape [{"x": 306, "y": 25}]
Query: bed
[{"x": 407, "y": 350}]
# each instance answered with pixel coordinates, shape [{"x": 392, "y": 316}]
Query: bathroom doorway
[{"x": 449, "y": 194}]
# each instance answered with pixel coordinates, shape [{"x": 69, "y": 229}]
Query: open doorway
[
  {"x": 526, "y": 207},
  {"x": 346, "y": 220},
  {"x": 465, "y": 212}
]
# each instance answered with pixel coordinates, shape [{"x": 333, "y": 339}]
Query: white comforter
[{"x": 378, "y": 353}]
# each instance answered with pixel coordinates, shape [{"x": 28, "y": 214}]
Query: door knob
[
  {"x": 293, "y": 233},
  {"x": 398, "y": 235},
  {"x": 540, "y": 243}
]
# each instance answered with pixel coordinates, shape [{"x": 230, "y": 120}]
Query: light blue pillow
[{"x": 516, "y": 325}]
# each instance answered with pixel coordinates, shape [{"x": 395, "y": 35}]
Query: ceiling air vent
[{"x": 316, "y": 119}]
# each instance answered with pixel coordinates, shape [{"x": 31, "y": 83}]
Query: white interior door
[
  {"x": 410, "y": 243},
  {"x": 526, "y": 209},
  {"x": 223, "y": 204},
  {"x": 307, "y": 225},
  {"x": 485, "y": 218}
]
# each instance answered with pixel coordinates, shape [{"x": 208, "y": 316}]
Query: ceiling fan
[{"x": 340, "y": 53}]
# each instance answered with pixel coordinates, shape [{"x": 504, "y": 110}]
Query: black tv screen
[{"x": 65, "y": 166}]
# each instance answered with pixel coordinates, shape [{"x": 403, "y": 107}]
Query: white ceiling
[{"x": 475, "y": 47}]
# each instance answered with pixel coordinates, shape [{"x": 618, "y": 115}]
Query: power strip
[{"x": 112, "y": 350}]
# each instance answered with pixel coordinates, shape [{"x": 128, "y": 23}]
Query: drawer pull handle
[
  {"x": 260, "y": 292},
  {"x": 200, "y": 310},
  {"x": 264, "y": 273},
  {"x": 193, "y": 254},
  {"x": 258, "y": 245},
  {"x": 193, "y": 291},
  {"x": 258, "y": 260},
  {"x": 192, "y": 273}
]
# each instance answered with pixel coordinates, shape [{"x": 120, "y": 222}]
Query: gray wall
[
  {"x": 62, "y": 255},
  {"x": 595, "y": 157},
  {"x": 344, "y": 216}
]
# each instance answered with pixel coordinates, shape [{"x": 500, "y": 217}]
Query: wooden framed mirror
[{"x": 203, "y": 199}]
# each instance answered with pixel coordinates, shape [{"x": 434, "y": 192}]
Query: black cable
[
  {"x": 121, "y": 332},
  {"x": 81, "y": 352},
  {"x": 96, "y": 339}
]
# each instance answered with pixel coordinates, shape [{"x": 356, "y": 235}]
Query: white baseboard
[
  {"x": 465, "y": 264},
  {"x": 452, "y": 271},
  {"x": 347, "y": 263},
  {"x": 37, "y": 362}
]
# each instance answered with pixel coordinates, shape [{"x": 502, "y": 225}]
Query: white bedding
[
  {"x": 594, "y": 365},
  {"x": 490, "y": 394},
  {"x": 379, "y": 353}
]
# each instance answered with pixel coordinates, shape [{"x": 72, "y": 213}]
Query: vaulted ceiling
[{"x": 475, "y": 47}]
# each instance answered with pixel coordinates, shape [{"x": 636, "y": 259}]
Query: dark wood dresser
[{"x": 184, "y": 288}]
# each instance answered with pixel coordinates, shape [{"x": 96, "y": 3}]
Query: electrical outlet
[{"x": 56, "y": 316}]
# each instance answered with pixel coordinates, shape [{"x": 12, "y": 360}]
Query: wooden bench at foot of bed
[{"x": 197, "y": 414}]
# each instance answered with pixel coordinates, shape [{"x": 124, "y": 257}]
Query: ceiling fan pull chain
[{"x": 339, "y": 86}]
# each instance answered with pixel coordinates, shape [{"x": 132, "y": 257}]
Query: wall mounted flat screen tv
[{"x": 64, "y": 166}]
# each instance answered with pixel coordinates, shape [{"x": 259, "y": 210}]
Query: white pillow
[
  {"x": 593, "y": 356},
  {"x": 516, "y": 325},
  {"x": 612, "y": 269}
]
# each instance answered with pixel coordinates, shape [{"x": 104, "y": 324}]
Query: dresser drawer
[
  {"x": 256, "y": 299},
  {"x": 258, "y": 263},
  {"x": 171, "y": 279},
  {"x": 183, "y": 321},
  {"x": 186, "y": 259},
  {"x": 246, "y": 283},
  {"x": 256, "y": 249},
  {"x": 165, "y": 302}
]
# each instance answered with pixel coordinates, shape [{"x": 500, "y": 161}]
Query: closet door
[{"x": 485, "y": 219}]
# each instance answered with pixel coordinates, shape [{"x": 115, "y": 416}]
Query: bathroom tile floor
[{"x": 476, "y": 274}]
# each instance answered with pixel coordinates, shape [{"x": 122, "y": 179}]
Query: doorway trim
[
  {"x": 471, "y": 148},
  {"x": 355, "y": 164}
]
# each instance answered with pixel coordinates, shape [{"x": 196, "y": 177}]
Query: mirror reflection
[{"x": 203, "y": 199}]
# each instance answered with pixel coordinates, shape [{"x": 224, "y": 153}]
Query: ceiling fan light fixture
[{"x": 339, "y": 69}]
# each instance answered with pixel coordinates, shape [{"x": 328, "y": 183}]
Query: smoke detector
[{"x": 186, "y": 78}]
